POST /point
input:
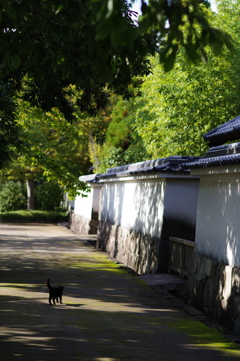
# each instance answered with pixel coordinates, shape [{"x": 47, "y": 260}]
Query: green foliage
[
  {"x": 122, "y": 144},
  {"x": 173, "y": 110},
  {"x": 68, "y": 43},
  {"x": 8, "y": 126},
  {"x": 93, "y": 44},
  {"x": 178, "y": 107},
  {"x": 48, "y": 196},
  {"x": 51, "y": 149},
  {"x": 119, "y": 130},
  {"x": 186, "y": 104},
  {"x": 13, "y": 196},
  {"x": 165, "y": 26},
  {"x": 34, "y": 216},
  {"x": 98, "y": 46}
]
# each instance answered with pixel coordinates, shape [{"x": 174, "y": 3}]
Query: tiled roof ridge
[
  {"x": 172, "y": 164},
  {"x": 224, "y": 160},
  {"x": 225, "y": 149},
  {"x": 149, "y": 164},
  {"x": 224, "y": 132},
  {"x": 167, "y": 165}
]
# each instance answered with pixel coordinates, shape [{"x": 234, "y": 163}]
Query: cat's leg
[{"x": 49, "y": 300}]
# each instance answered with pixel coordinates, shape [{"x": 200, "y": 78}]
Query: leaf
[
  {"x": 144, "y": 25},
  {"x": 8, "y": 8},
  {"x": 15, "y": 61},
  {"x": 204, "y": 56},
  {"x": 170, "y": 60},
  {"x": 217, "y": 46}
]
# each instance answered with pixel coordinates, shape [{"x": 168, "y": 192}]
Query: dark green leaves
[
  {"x": 184, "y": 24},
  {"x": 170, "y": 59},
  {"x": 8, "y": 127},
  {"x": 96, "y": 45}
]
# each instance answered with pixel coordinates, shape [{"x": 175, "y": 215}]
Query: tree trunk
[{"x": 30, "y": 194}]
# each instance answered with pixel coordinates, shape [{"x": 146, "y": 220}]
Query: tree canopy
[
  {"x": 52, "y": 149},
  {"x": 95, "y": 44},
  {"x": 174, "y": 109},
  {"x": 8, "y": 126},
  {"x": 98, "y": 46}
]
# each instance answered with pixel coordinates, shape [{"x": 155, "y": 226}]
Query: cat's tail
[{"x": 48, "y": 283}]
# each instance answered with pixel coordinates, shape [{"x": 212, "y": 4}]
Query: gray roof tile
[
  {"x": 224, "y": 133},
  {"x": 223, "y": 155},
  {"x": 171, "y": 164}
]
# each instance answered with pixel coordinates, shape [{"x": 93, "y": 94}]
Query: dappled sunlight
[
  {"x": 106, "y": 314},
  {"x": 20, "y": 291},
  {"x": 25, "y": 337},
  {"x": 218, "y": 346},
  {"x": 106, "y": 306},
  {"x": 222, "y": 347},
  {"x": 205, "y": 338},
  {"x": 106, "y": 359}
]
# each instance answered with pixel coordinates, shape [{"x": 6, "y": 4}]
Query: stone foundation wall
[
  {"x": 134, "y": 250},
  {"x": 82, "y": 225},
  {"x": 214, "y": 288}
]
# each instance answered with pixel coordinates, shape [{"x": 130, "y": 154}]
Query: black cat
[{"x": 55, "y": 293}]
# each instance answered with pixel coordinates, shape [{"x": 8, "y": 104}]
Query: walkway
[{"x": 107, "y": 313}]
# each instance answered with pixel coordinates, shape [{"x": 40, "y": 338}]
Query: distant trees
[
  {"x": 122, "y": 143},
  {"x": 173, "y": 110},
  {"x": 192, "y": 100},
  {"x": 52, "y": 150},
  {"x": 8, "y": 125}
]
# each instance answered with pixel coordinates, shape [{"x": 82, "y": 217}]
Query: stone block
[
  {"x": 217, "y": 307},
  {"x": 80, "y": 224},
  {"x": 236, "y": 327},
  {"x": 224, "y": 304},
  {"x": 215, "y": 289},
  {"x": 135, "y": 250},
  {"x": 235, "y": 307},
  {"x": 214, "y": 275},
  {"x": 201, "y": 265},
  {"x": 199, "y": 291},
  {"x": 226, "y": 282},
  {"x": 208, "y": 294},
  {"x": 191, "y": 281},
  {"x": 208, "y": 267},
  {"x": 236, "y": 280}
]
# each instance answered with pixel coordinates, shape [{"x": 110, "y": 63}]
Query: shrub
[
  {"x": 13, "y": 196},
  {"x": 48, "y": 196}
]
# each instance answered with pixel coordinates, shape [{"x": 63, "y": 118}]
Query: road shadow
[{"x": 107, "y": 313}]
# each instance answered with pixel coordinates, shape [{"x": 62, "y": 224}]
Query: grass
[
  {"x": 205, "y": 336},
  {"x": 34, "y": 216}
]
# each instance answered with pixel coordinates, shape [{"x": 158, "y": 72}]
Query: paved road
[{"x": 107, "y": 314}]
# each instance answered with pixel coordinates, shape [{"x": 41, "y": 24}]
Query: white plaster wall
[
  {"x": 180, "y": 208},
  {"x": 83, "y": 206},
  {"x": 96, "y": 199},
  {"x": 218, "y": 218},
  {"x": 135, "y": 205},
  {"x": 181, "y": 200}
]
